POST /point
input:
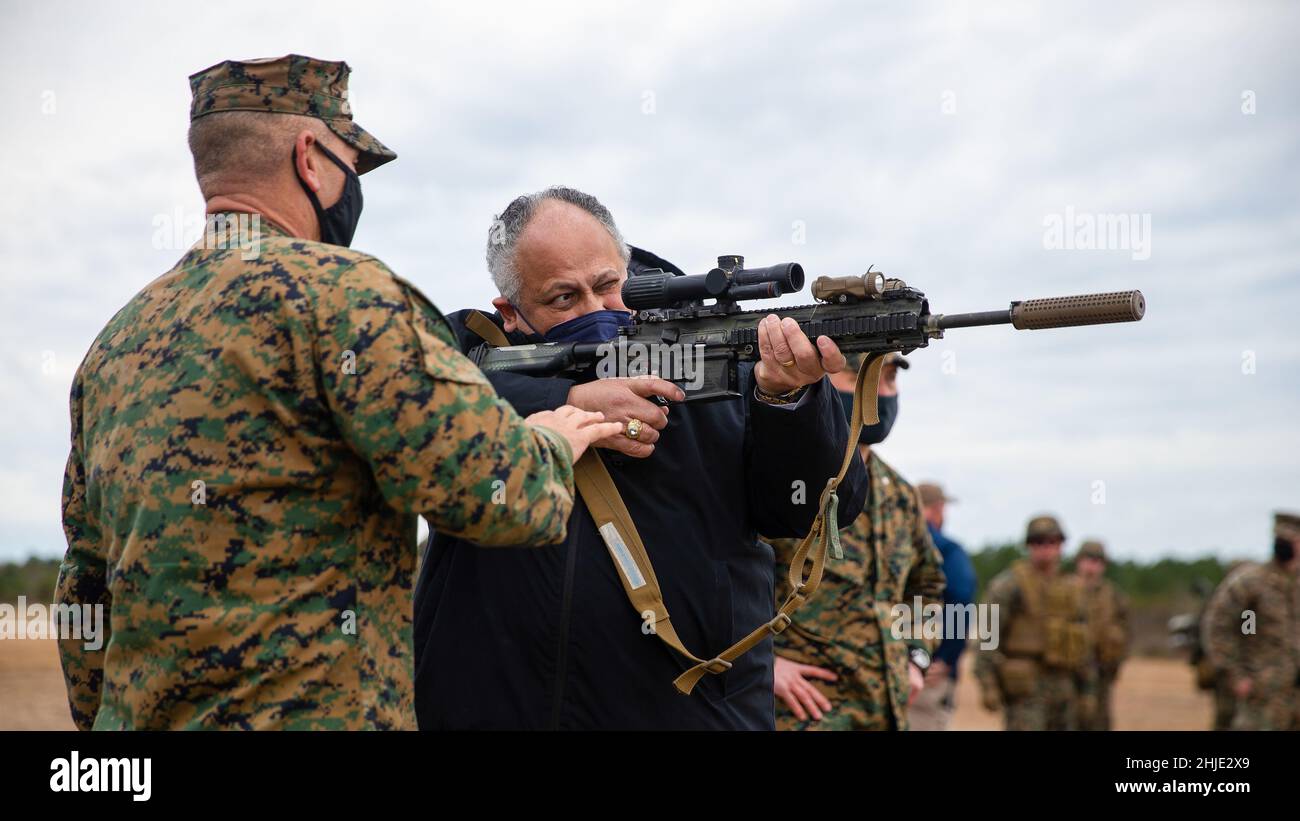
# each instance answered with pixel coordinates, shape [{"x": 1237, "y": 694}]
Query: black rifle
[{"x": 676, "y": 335}]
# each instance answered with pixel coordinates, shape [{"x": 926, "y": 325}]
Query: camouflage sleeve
[
  {"x": 82, "y": 581},
  {"x": 1221, "y": 625},
  {"x": 926, "y": 578},
  {"x": 438, "y": 438},
  {"x": 1000, "y": 595},
  {"x": 1121, "y": 620},
  {"x": 784, "y": 553}
]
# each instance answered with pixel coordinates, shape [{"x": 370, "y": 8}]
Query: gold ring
[
  {"x": 633, "y": 429},
  {"x": 789, "y": 364}
]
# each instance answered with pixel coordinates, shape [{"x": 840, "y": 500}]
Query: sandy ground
[
  {"x": 31, "y": 687},
  {"x": 1152, "y": 694}
]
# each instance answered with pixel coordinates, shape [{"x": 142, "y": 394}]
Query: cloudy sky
[{"x": 935, "y": 141}]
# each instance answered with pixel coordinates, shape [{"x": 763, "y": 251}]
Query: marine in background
[
  {"x": 934, "y": 707},
  {"x": 1110, "y": 636},
  {"x": 839, "y": 665},
  {"x": 1035, "y": 672},
  {"x": 1251, "y": 634}
]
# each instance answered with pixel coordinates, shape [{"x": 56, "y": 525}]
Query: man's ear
[
  {"x": 511, "y": 318},
  {"x": 305, "y": 161}
]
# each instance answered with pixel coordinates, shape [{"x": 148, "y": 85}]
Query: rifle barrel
[{"x": 946, "y": 321}]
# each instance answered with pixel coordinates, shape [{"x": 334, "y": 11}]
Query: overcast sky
[{"x": 938, "y": 142}]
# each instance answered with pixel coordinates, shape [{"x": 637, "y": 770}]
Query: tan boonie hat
[
  {"x": 1287, "y": 525},
  {"x": 1044, "y": 527},
  {"x": 1092, "y": 550},
  {"x": 931, "y": 492},
  {"x": 292, "y": 84}
]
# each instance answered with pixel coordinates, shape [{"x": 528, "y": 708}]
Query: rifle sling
[
  {"x": 486, "y": 329},
  {"x": 628, "y": 552}
]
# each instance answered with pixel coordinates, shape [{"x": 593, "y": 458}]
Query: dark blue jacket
[
  {"x": 960, "y": 573},
  {"x": 537, "y": 638}
]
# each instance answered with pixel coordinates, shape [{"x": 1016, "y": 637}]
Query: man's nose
[
  {"x": 613, "y": 301},
  {"x": 592, "y": 301}
]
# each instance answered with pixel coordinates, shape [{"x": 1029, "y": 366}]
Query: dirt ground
[
  {"x": 31, "y": 686},
  {"x": 1152, "y": 694}
]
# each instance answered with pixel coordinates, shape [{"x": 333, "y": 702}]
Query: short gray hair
[
  {"x": 245, "y": 145},
  {"x": 503, "y": 236}
]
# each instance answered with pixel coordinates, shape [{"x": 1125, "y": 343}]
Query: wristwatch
[{"x": 919, "y": 657}]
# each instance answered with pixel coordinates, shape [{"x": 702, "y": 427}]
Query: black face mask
[
  {"x": 338, "y": 222},
  {"x": 887, "y": 407}
]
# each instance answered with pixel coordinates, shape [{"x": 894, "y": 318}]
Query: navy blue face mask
[
  {"x": 597, "y": 326},
  {"x": 887, "y": 407}
]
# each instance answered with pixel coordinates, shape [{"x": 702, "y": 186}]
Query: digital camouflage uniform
[
  {"x": 888, "y": 559},
  {"x": 1270, "y": 655},
  {"x": 1109, "y": 638},
  {"x": 1207, "y": 678},
  {"x": 252, "y": 441},
  {"x": 1040, "y": 663}
]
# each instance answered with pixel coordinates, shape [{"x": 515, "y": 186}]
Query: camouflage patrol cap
[
  {"x": 1044, "y": 527},
  {"x": 1287, "y": 525},
  {"x": 1092, "y": 549},
  {"x": 931, "y": 492},
  {"x": 292, "y": 84}
]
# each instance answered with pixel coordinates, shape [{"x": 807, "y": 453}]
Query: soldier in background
[
  {"x": 839, "y": 665},
  {"x": 1042, "y": 653},
  {"x": 933, "y": 708},
  {"x": 1108, "y": 621},
  {"x": 1251, "y": 633},
  {"x": 254, "y": 434},
  {"x": 1207, "y": 678}
]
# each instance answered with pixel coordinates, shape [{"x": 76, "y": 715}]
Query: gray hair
[
  {"x": 245, "y": 146},
  {"x": 503, "y": 236}
]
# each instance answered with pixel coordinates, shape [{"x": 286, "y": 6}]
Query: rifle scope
[{"x": 659, "y": 289}]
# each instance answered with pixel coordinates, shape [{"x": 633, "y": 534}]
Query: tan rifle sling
[{"x": 616, "y": 527}]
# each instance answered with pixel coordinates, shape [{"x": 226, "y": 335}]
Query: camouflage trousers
[
  {"x": 859, "y": 701},
  {"x": 1095, "y": 700},
  {"x": 1269, "y": 710},
  {"x": 1053, "y": 705},
  {"x": 1225, "y": 703}
]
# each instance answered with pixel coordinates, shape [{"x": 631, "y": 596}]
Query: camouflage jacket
[
  {"x": 1262, "y": 596},
  {"x": 252, "y": 441},
  {"x": 889, "y": 559},
  {"x": 1108, "y": 623},
  {"x": 1042, "y": 621}
]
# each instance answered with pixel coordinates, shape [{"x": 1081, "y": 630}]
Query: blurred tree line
[
  {"x": 1162, "y": 581},
  {"x": 1159, "y": 582},
  {"x": 34, "y": 578}
]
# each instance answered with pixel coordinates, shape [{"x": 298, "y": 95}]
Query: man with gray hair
[{"x": 546, "y": 638}]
